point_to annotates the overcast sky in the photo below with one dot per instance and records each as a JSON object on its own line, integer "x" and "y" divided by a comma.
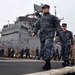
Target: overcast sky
{"x": 11, "y": 9}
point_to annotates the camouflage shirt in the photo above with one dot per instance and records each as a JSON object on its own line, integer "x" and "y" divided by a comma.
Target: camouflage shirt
{"x": 47, "y": 25}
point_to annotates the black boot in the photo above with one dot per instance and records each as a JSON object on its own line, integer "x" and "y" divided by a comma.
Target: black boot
{"x": 47, "y": 65}
{"x": 67, "y": 63}
{"x": 64, "y": 64}
{"x": 72, "y": 62}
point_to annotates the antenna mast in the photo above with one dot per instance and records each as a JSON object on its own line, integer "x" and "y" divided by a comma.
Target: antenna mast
{"x": 55, "y": 10}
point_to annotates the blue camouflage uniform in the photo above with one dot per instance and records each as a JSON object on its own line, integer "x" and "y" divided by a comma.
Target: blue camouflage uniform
{"x": 47, "y": 25}
{"x": 66, "y": 41}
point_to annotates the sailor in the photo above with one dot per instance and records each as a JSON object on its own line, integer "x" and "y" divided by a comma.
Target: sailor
{"x": 66, "y": 38}
{"x": 47, "y": 24}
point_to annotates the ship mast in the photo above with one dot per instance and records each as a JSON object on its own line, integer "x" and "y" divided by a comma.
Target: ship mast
{"x": 55, "y": 12}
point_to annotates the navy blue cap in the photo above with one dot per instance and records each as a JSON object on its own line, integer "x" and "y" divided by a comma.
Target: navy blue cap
{"x": 45, "y": 6}
{"x": 64, "y": 24}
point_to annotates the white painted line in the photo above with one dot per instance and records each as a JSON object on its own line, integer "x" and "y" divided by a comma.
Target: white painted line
{"x": 21, "y": 61}
{"x": 26, "y": 61}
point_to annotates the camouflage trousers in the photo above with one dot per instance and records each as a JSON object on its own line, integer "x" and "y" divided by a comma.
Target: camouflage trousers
{"x": 46, "y": 47}
{"x": 65, "y": 52}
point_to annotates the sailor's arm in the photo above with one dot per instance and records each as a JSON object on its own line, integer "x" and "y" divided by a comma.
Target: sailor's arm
{"x": 72, "y": 39}
{"x": 36, "y": 28}
{"x": 57, "y": 26}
